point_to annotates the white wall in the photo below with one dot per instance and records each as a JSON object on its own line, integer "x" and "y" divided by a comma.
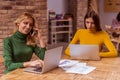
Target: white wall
{"x": 59, "y": 6}
{"x": 105, "y": 17}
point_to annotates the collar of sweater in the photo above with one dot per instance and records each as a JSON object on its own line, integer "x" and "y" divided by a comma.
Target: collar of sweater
{"x": 20, "y": 35}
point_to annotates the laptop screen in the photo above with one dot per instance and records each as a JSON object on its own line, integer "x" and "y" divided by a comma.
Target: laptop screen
{"x": 51, "y": 61}
{"x": 87, "y": 52}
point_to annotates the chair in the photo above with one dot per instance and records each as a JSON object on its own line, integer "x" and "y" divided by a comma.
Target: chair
{"x": 113, "y": 38}
{"x": 117, "y": 41}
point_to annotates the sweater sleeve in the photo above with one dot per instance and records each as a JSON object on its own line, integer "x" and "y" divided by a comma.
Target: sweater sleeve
{"x": 40, "y": 52}
{"x": 8, "y": 56}
{"x": 74, "y": 41}
{"x": 112, "y": 51}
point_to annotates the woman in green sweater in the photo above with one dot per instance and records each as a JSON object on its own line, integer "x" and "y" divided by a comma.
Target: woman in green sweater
{"x": 93, "y": 34}
{"x": 19, "y": 48}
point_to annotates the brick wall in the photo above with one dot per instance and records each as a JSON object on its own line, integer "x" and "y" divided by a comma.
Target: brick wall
{"x": 78, "y": 8}
{"x": 82, "y": 6}
{"x": 11, "y": 9}
{"x": 72, "y": 9}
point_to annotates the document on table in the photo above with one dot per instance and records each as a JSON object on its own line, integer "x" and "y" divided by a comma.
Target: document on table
{"x": 80, "y": 69}
{"x": 73, "y": 66}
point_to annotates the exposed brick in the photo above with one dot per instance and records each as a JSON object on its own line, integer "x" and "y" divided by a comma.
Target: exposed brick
{"x": 3, "y": 11}
{"x": 31, "y": 7}
{"x": 1, "y": 40}
{"x": 1, "y": 47}
{"x": 6, "y": 7}
{"x": 7, "y": 32}
{"x": 11, "y": 9}
{"x": 3, "y": 28}
{"x": 32, "y": 3}
{"x": 19, "y": 7}
{"x": 3, "y": 36}
{"x": 43, "y": 7}
{"x": 1, "y": 52}
{"x": 41, "y": 0}
{"x": 12, "y": 0}
{"x": 22, "y": 3}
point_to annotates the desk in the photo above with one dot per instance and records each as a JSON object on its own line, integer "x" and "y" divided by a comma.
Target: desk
{"x": 106, "y": 69}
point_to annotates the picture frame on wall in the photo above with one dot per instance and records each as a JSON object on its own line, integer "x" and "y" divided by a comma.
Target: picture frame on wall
{"x": 111, "y": 5}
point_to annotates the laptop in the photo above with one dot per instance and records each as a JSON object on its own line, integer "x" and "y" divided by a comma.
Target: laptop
{"x": 86, "y": 52}
{"x": 51, "y": 61}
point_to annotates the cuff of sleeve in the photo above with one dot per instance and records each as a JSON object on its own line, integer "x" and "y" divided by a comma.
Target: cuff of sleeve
{"x": 21, "y": 65}
{"x": 43, "y": 53}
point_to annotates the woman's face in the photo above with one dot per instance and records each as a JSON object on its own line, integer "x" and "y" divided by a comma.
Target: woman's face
{"x": 90, "y": 24}
{"x": 25, "y": 25}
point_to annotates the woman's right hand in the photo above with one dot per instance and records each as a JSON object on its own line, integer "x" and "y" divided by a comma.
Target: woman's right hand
{"x": 36, "y": 63}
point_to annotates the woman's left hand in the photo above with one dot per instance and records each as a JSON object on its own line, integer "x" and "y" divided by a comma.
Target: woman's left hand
{"x": 39, "y": 37}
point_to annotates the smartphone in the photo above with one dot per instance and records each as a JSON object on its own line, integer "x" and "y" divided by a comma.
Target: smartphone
{"x": 32, "y": 32}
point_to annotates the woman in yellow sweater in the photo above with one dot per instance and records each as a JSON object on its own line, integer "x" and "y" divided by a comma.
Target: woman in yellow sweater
{"x": 93, "y": 34}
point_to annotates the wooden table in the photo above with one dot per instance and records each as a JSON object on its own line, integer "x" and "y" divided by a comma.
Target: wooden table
{"x": 106, "y": 69}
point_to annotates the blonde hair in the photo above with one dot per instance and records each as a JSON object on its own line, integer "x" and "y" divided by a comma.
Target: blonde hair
{"x": 30, "y": 39}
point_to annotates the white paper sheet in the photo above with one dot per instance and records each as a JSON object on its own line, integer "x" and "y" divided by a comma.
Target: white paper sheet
{"x": 80, "y": 69}
{"x": 73, "y": 66}
{"x": 67, "y": 63}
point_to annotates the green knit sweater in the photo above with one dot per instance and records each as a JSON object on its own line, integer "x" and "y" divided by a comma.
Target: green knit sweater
{"x": 16, "y": 51}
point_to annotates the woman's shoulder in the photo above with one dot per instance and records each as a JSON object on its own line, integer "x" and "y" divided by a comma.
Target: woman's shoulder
{"x": 103, "y": 33}
{"x": 81, "y": 30}
{"x": 8, "y": 39}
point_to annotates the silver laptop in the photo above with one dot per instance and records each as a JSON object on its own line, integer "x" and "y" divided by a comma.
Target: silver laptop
{"x": 51, "y": 61}
{"x": 86, "y": 52}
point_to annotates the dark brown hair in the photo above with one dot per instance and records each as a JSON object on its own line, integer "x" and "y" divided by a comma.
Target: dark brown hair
{"x": 92, "y": 14}
{"x": 118, "y": 17}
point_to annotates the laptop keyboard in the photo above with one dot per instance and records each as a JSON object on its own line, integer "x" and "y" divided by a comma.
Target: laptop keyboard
{"x": 38, "y": 69}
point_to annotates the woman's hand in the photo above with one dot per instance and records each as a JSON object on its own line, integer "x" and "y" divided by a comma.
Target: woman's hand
{"x": 36, "y": 63}
{"x": 39, "y": 37}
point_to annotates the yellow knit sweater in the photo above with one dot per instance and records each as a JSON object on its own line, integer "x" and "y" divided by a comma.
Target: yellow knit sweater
{"x": 84, "y": 36}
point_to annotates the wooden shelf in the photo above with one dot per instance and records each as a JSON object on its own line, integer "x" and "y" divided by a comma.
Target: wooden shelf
{"x": 60, "y": 30}
{"x": 61, "y": 26}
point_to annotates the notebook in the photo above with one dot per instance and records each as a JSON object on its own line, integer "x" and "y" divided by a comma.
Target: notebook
{"x": 51, "y": 61}
{"x": 86, "y": 52}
